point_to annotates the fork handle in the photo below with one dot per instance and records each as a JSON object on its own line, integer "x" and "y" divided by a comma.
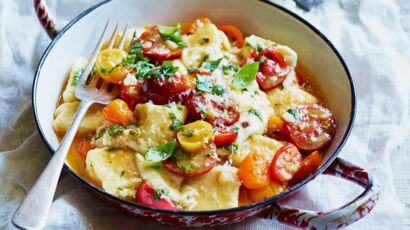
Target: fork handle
{"x": 33, "y": 212}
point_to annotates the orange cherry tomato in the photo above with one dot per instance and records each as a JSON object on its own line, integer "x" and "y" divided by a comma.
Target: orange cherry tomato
{"x": 118, "y": 112}
{"x": 275, "y": 127}
{"x": 254, "y": 171}
{"x": 309, "y": 165}
{"x": 190, "y": 28}
{"x": 273, "y": 189}
{"x": 233, "y": 33}
{"x": 286, "y": 162}
{"x": 83, "y": 147}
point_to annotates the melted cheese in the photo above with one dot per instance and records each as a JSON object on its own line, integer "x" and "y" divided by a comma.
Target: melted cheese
{"x": 116, "y": 171}
{"x": 218, "y": 189}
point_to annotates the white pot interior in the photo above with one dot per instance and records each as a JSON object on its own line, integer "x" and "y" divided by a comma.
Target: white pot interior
{"x": 252, "y": 17}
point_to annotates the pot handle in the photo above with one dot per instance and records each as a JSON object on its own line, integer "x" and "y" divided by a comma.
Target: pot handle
{"x": 337, "y": 218}
{"x": 46, "y": 20}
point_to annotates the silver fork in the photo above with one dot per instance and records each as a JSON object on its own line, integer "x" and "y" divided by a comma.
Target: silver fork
{"x": 33, "y": 212}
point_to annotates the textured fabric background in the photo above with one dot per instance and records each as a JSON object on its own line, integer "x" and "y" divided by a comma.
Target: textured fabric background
{"x": 370, "y": 36}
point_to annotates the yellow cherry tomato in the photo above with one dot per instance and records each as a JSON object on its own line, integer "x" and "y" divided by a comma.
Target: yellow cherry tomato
{"x": 195, "y": 135}
{"x": 107, "y": 65}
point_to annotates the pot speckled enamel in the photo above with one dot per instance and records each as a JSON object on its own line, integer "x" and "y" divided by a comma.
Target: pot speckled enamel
{"x": 273, "y": 21}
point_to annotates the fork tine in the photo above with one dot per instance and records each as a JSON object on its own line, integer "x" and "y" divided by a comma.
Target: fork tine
{"x": 112, "y": 39}
{"x": 88, "y": 69}
{"x": 121, "y": 43}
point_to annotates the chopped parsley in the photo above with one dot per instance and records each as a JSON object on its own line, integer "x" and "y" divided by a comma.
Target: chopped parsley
{"x": 188, "y": 133}
{"x": 218, "y": 90}
{"x": 115, "y": 130}
{"x": 176, "y": 123}
{"x": 256, "y": 113}
{"x": 159, "y": 193}
{"x": 206, "y": 40}
{"x": 295, "y": 114}
{"x": 230, "y": 67}
{"x": 87, "y": 138}
{"x": 113, "y": 149}
{"x": 145, "y": 69}
{"x": 204, "y": 83}
{"x": 259, "y": 48}
{"x": 172, "y": 34}
{"x": 262, "y": 59}
{"x": 133, "y": 132}
{"x": 212, "y": 65}
{"x": 100, "y": 133}
{"x": 231, "y": 147}
{"x": 136, "y": 49}
{"x": 77, "y": 77}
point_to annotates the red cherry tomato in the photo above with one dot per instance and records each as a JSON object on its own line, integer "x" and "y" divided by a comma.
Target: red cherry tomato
{"x": 83, "y": 147}
{"x": 225, "y": 137}
{"x": 273, "y": 70}
{"x": 309, "y": 165}
{"x": 190, "y": 165}
{"x": 145, "y": 196}
{"x": 286, "y": 162}
{"x": 161, "y": 91}
{"x": 233, "y": 33}
{"x": 314, "y": 128}
{"x": 132, "y": 94}
{"x": 154, "y": 47}
{"x": 225, "y": 111}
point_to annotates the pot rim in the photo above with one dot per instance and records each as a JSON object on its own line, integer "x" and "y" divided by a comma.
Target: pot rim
{"x": 263, "y": 203}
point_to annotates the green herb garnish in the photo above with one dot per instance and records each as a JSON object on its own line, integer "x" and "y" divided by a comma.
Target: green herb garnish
{"x": 77, "y": 77}
{"x": 188, "y": 133}
{"x": 156, "y": 155}
{"x": 159, "y": 193}
{"x": 176, "y": 123}
{"x": 113, "y": 149}
{"x": 231, "y": 147}
{"x": 172, "y": 34}
{"x": 295, "y": 114}
{"x": 245, "y": 75}
{"x": 115, "y": 130}
{"x": 212, "y": 65}
{"x": 204, "y": 83}
{"x": 256, "y": 113}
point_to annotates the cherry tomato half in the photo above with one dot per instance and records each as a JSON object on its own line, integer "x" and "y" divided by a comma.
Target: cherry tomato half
{"x": 190, "y": 165}
{"x": 273, "y": 69}
{"x": 313, "y": 128}
{"x": 233, "y": 33}
{"x": 154, "y": 47}
{"x": 219, "y": 111}
{"x": 254, "y": 171}
{"x": 309, "y": 165}
{"x": 286, "y": 162}
{"x": 83, "y": 147}
{"x": 132, "y": 93}
{"x": 225, "y": 137}
{"x": 145, "y": 196}
{"x": 275, "y": 128}
{"x": 161, "y": 90}
{"x": 118, "y": 112}
{"x": 272, "y": 189}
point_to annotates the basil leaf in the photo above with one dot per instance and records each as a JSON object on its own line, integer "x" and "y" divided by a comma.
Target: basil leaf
{"x": 245, "y": 75}
{"x": 204, "y": 83}
{"x": 155, "y": 155}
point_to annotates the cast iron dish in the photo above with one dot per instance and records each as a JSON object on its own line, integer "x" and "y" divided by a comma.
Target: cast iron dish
{"x": 258, "y": 17}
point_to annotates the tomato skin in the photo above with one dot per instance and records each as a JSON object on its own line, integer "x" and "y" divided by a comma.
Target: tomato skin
{"x": 286, "y": 162}
{"x": 195, "y": 101}
{"x": 233, "y": 34}
{"x": 273, "y": 70}
{"x": 132, "y": 94}
{"x": 145, "y": 196}
{"x": 225, "y": 137}
{"x": 118, "y": 112}
{"x": 207, "y": 164}
{"x": 83, "y": 147}
{"x": 309, "y": 165}
{"x": 154, "y": 47}
{"x": 254, "y": 171}
{"x": 161, "y": 91}
{"x": 315, "y": 129}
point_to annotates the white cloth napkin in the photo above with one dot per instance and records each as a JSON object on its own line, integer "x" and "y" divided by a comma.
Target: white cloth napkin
{"x": 370, "y": 37}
